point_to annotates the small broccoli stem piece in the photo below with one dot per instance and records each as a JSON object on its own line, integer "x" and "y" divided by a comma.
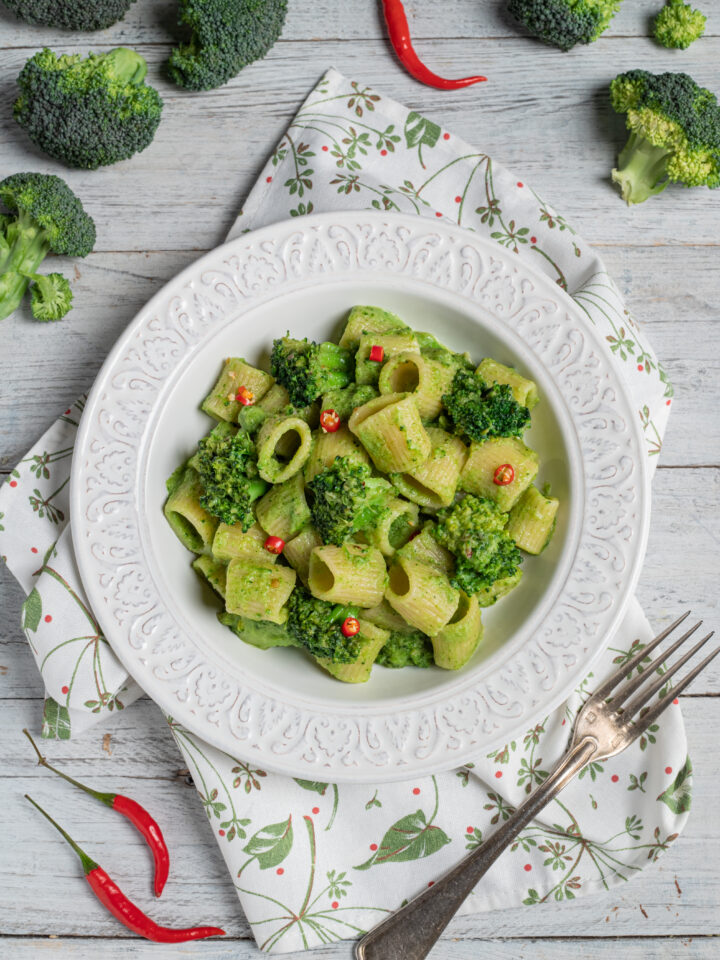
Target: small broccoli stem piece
{"x": 25, "y": 249}
{"x": 334, "y": 361}
{"x": 51, "y": 296}
{"x": 642, "y": 169}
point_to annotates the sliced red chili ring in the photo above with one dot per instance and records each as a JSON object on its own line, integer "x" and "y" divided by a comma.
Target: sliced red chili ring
{"x": 377, "y": 353}
{"x": 245, "y": 396}
{"x": 504, "y": 475}
{"x": 330, "y": 421}
{"x": 350, "y": 626}
{"x": 274, "y": 545}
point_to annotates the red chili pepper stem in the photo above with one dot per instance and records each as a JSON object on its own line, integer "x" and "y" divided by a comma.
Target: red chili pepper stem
{"x": 133, "y": 811}
{"x": 399, "y": 33}
{"x": 88, "y": 863}
{"x": 106, "y": 798}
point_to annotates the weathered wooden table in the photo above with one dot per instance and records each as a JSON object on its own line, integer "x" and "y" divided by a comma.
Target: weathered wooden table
{"x": 545, "y": 115}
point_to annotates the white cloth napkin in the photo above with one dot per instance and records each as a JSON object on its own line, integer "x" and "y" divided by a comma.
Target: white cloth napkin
{"x": 315, "y": 862}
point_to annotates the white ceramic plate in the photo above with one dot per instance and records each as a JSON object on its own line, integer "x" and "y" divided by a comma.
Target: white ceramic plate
{"x": 276, "y": 707}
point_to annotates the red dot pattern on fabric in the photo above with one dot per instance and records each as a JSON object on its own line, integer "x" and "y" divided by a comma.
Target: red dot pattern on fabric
{"x": 33, "y": 549}
{"x": 520, "y": 184}
{"x": 668, "y": 769}
{"x": 383, "y": 153}
{"x": 316, "y": 809}
{"x": 533, "y": 239}
{"x": 13, "y": 483}
{"x": 527, "y": 867}
{"x": 67, "y": 412}
{"x": 458, "y": 199}
{"x": 667, "y": 403}
{"x": 676, "y": 701}
{"x": 469, "y": 829}
{"x": 268, "y": 180}
{"x": 48, "y": 618}
{"x": 641, "y": 367}
{"x": 614, "y": 778}
{"x": 498, "y": 774}
{"x": 431, "y": 883}
{"x": 416, "y": 790}
{"x": 437, "y": 213}
{"x": 221, "y": 832}
{"x": 335, "y": 904}
{"x": 446, "y": 136}
{"x": 280, "y": 871}
{"x": 373, "y": 846}
{"x": 325, "y": 148}
{"x": 66, "y": 689}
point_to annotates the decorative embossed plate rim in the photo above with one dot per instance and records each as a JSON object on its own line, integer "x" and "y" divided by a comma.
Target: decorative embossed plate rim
{"x": 412, "y": 735}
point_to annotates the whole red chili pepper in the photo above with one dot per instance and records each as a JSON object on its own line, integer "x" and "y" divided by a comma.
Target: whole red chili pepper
{"x": 399, "y": 33}
{"x": 124, "y": 910}
{"x": 137, "y": 815}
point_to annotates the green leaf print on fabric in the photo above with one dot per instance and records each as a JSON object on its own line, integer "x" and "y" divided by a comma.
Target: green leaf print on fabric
{"x": 410, "y": 838}
{"x": 32, "y": 611}
{"x": 270, "y": 845}
{"x": 56, "y": 721}
{"x": 420, "y": 132}
{"x": 316, "y": 786}
{"x": 678, "y": 795}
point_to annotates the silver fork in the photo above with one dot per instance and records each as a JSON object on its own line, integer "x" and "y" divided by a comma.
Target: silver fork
{"x": 606, "y": 724}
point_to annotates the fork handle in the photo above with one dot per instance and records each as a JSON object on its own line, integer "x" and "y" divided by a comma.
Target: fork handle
{"x": 409, "y": 933}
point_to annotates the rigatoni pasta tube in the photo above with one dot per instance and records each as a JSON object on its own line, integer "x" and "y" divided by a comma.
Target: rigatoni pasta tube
{"x": 326, "y": 447}
{"x": 456, "y": 642}
{"x": 283, "y": 511}
{"x": 192, "y": 523}
{"x": 425, "y": 548}
{"x": 220, "y": 403}
{"x": 258, "y": 591}
{"x": 390, "y": 429}
{"x": 232, "y": 541}
{"x": 297, "y": 551}
{"x": 367, "y": 370}
{"x": 394, "y": 526}
{"x": 427, "y": 380}
{"x": 368, "y": 320}
{"x": 478, "y": 474}
{"x": 371, "y": 640}
{"x": 283, "y": 446}
{"x": 213, "y": 571}
{"x": 523, "y": 390}
{"x": 353, "y": 573}
{"x": 422, "y": 595}
{"x": 532, "y": 520}
{"x": 433, "y": 482}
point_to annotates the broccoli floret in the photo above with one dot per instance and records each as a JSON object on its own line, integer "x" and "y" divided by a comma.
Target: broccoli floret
{"x": 406, "y": 649}
{"x": 678, "y": 25}
{"x": 473, "y": 530}
{"x": 316, "y": 625}
{"x": 74, "y": 15}
{"x": 307, "y": 369}
{"x": 88, "y": 112}
{"x": 674, "y": 133}
{"x": 346, "y": 499}
{"x": 227, "y": 465}
{"x": 345, "y": 400}
{"x": 563, "y": 23}
{"x": 225, "y": 36}
{"x": 45, "y": 216}
{"x": 479, "y": 411}
{"x": 50, "y": 296}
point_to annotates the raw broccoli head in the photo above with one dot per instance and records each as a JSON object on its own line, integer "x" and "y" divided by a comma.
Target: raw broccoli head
{"x": 70, "y": 14}
{"x": 678, "y": 25}
{"x": 406, "y": 649}
{"x": 45, "y": 215}
{"x": 346, "y": 499}
{"x": 674, "y": 133}
{"x": 307, "y": 369}
{"x": 316, "y": 625}
{"x": 50, "y": 296}
{"x": 479, "y": 411}
{"x": 225, "y": 36}
{"x": 227, "y": 465}
{"x": 473, "y": 530}
{"x": 563, "y": 23}
{"x": 88, "y": 112}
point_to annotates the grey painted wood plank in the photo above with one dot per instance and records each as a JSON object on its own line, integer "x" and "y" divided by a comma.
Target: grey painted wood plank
{"x": 46, "y": 366}
{"x": 154, "y": 21}
{"x": 543, "y": 115}
{"x": 646, "y": 948}
{"x": 38, "y": 864}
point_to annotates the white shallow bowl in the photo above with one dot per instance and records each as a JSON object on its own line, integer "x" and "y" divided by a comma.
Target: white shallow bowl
{"x": 277, "y": 707}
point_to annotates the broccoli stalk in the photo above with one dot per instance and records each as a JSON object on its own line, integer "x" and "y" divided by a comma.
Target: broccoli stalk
{"x": 346, "y": 499}
{"x": 307, "y": 369}
{"x": 227, "y": 464}
{"x": 678, "y": 25}
{"x": 46, "y": 216}
{"x": 88, "y": 112}
{"x": 316, "y": 625}
{"x": 674, "y": 129}
{"x": 74, "y": 15}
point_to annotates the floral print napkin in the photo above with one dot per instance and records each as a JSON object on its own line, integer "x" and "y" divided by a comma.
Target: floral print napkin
{"x": 312, "y": 861}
